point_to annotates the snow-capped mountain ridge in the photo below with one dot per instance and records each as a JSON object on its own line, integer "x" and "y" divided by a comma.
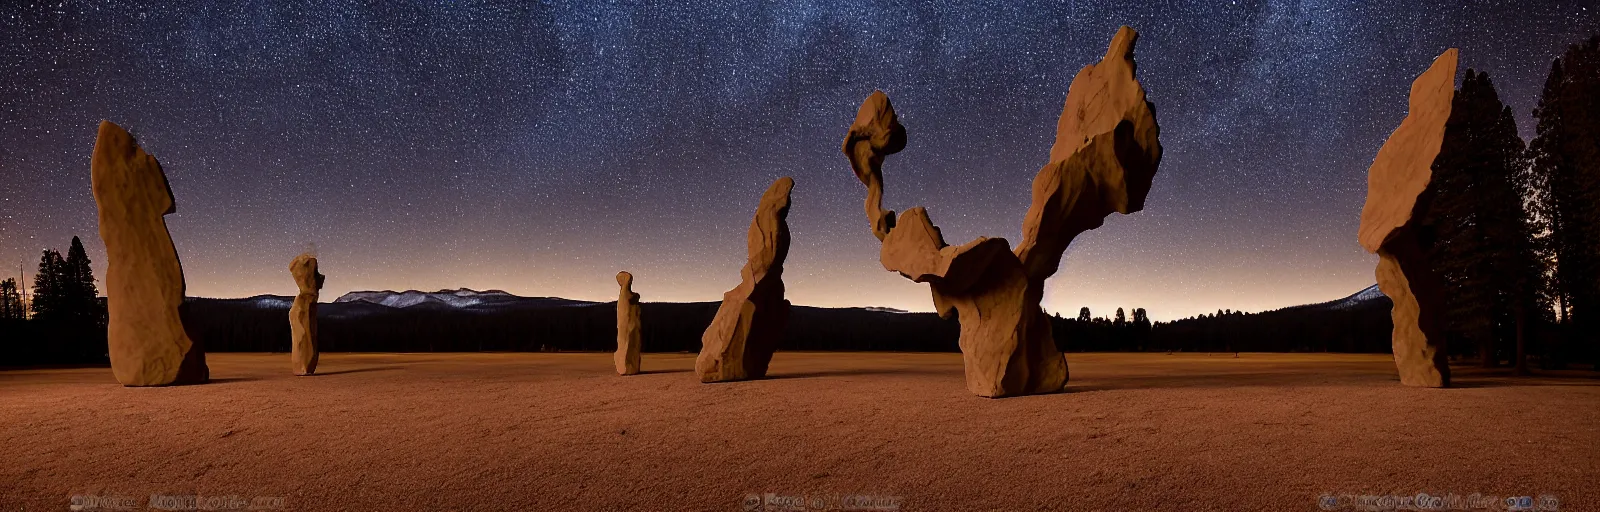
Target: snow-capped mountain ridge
{"x": 458, "y": 298}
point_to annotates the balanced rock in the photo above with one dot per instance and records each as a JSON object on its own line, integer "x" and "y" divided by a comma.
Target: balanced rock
{"x": 749, "y": 324}
{"x": 1105, "y": 156}
{"x": 303, "y": 315}
{"x": 1399, "y": 188}
{"x": 628, "y": 332}
{"x": 144, "y": 280}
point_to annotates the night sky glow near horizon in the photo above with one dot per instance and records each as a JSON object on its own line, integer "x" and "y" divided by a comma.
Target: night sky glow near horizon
{"x": 540, "y": 148}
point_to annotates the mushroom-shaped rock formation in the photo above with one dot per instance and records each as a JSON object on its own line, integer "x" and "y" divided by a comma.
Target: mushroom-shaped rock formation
{"x": 742, "y": 337}
{"x": 144, "y": 280}
{"x": 627, "y": 357}
{"x": 303, "y": 314}
{"x": 1399, "y": 188}
{"x": 1105, "y": 155}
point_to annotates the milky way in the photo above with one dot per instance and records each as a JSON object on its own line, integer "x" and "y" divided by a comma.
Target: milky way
{"x": 540, "y": 148}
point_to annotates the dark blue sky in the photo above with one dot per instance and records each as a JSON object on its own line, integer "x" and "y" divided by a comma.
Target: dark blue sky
{"x": 540, "y": 148}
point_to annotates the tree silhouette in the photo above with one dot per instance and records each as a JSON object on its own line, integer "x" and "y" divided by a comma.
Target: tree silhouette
{"x": 78, "y": 292}
{"x": 1122, "y": 319}
{"x": 47, "y": 287}
{"x": 1565, "y": 173}
{"x": 10, "y": 301}
{"x": 1485, "y": 249}
{"x": 1083, "y": 314}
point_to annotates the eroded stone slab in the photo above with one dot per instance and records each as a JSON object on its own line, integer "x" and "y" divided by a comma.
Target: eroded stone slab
{"x": 741, "y": 339}
{"x": 1104, "y": 159}
{"x": 144, "y": 280}
{"x": 1399, "y": 187}
{"x": 628, "y": 329}
{"x": 303, "y": 315}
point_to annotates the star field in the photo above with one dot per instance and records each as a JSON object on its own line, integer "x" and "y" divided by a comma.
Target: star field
{"x": 540, "y": 148}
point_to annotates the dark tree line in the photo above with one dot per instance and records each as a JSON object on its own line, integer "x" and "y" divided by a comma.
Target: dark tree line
{"x": 1485, "y": 247}
{"x": 1361, "y": 327}
{"x": 1086, "y": 333}
{"x": 256, "y": 325}
{"x": 1516, "y": 232}
{"x": 65, "y": 322}
{"x": 1564, "y": 179}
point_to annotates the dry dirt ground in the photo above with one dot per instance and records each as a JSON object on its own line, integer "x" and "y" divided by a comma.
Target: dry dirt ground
{"x": 563, "y": 432}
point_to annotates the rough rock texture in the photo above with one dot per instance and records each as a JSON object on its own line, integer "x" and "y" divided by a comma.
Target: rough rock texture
{"x": 1399, "y": 185}
{"x": 627, "y": 357}
{"x": 144, "y": 279}
{"x": 303, "y": 315}
{"x": 1104, "y": 158}
{"x": 742, "y": 337}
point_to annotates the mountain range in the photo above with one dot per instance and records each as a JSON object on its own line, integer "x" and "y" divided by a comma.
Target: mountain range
{"x": 494, "y": 320}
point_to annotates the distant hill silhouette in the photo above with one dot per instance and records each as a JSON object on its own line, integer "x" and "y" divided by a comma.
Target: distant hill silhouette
{"x": 1357, "y": 323}
{"x": 468, "y": 320}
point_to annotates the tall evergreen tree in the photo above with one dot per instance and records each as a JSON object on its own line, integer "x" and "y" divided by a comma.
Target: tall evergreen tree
{"x": 10, "y": 301}
{"x": 1083, "y": 314}
{"x": 79, "y": 294}
{"x": 1485, "y": 249}
{"x": 1565, "y": 171}
{"x": 47, "y": 287}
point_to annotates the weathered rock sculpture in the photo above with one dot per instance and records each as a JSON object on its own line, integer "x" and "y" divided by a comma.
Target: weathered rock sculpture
{"x": 1105, "y": 155}
{"x": 628, "y": 333}
{"x": 1399, "y": 189}
{"x": 303, "y": 315}
{"x": 144, "y": 279}
{"x": 742, "y": 337}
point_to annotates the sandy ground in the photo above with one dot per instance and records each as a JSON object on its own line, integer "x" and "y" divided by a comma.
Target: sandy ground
{"x": 562, "y": 432}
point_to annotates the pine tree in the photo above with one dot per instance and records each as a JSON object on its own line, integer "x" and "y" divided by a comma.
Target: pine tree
{"x": 1565, "y": 171}
{"x": 1083, "y": 314}
{"x": 78, "y": 290}
{"x": 1485, "y": 247}
{"x": 47, "y": 287}
{"x": 10, "y": 300}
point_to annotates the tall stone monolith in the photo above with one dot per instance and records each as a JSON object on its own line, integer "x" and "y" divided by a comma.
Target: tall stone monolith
{"x": 1399, "y": 189}
{"x": 144, "y": 279}
{"x": 628, "y": 330}
{"x": 303, "y": 315}
{"x": 750, "y": 322}
{"x": 1104, "y": 158}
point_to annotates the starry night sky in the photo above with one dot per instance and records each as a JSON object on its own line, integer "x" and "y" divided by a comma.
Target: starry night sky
{"x": 540, "y": 148}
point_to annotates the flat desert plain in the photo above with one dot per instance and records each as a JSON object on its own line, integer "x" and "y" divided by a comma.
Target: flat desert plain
{"x": 488, "y": 431}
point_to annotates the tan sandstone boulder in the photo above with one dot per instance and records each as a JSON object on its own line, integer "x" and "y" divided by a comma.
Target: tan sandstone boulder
{"x": 628, "y": 333}
{"x": 303, "y": 315}
{"x": 1105, "y": 156}
{"x": 750, "y": 322}
{"x": 144, "y": 280}
{"x": 1399, "y": 185}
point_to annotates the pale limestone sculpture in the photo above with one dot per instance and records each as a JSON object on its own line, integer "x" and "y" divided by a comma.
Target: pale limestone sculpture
{"x": 144, "y": 279}
{"x": 303, "y": 315}
{"x": 1105, "y": 155}
{"x": 628, "y": 332}
{"x": 749, "y": 324}
{"x": 1399, "y": 187}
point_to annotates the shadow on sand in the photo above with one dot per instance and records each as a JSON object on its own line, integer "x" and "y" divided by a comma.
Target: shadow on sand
{"x": 1468, "y": 379}
{"x": 1530, "y": 381}
{"x": 653, "y": 372}
{"x": 226, "y": 380}
{"x": 856, "y": 373}
{"x": 354, "y": 370}
{"x": 1220, "y": 380}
